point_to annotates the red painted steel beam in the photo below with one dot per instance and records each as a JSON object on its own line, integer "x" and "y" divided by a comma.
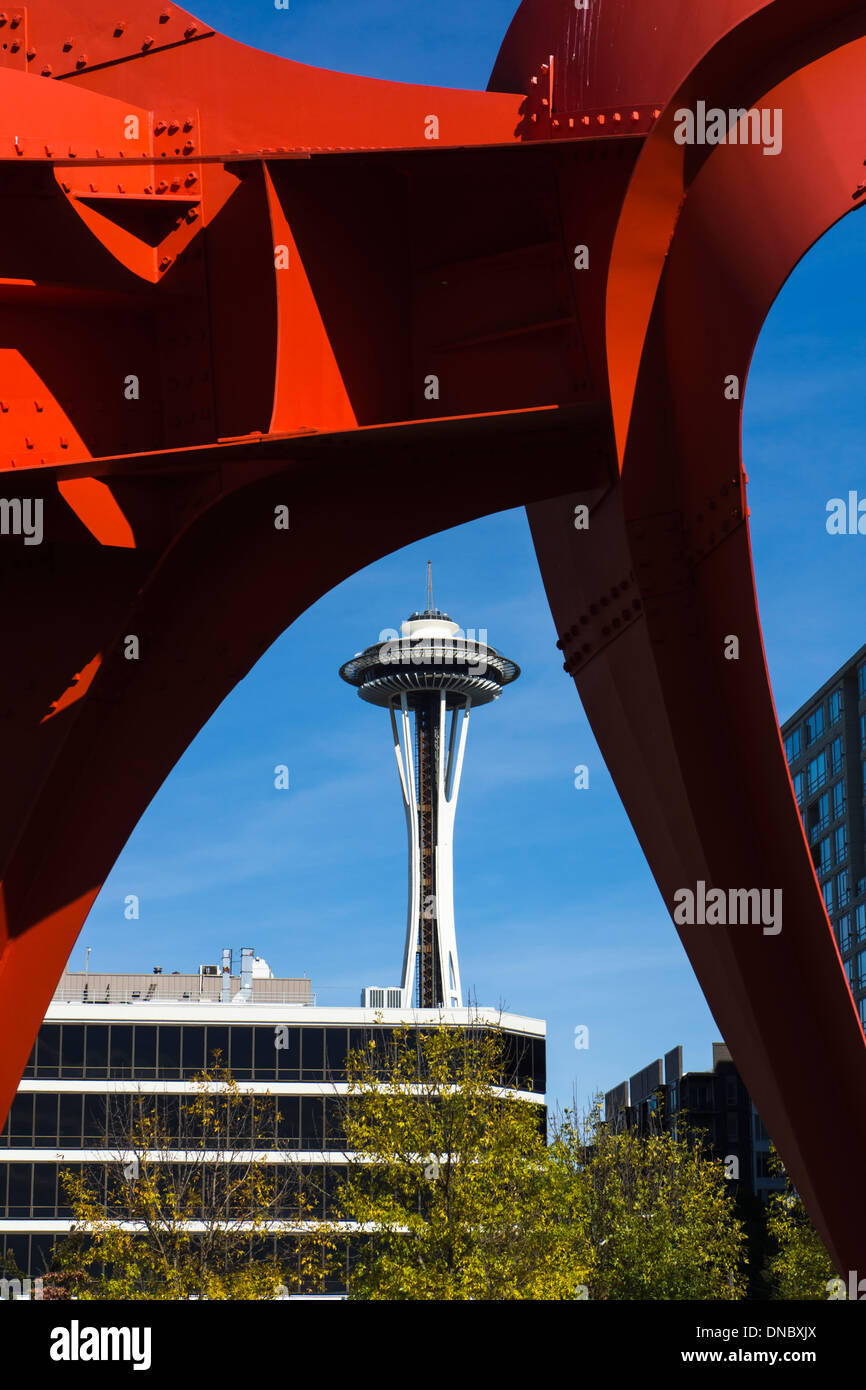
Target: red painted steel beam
{"x": 232, "y": 282}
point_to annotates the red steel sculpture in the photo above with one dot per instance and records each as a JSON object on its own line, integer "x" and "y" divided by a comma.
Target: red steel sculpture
{"x": 245, "y": 301}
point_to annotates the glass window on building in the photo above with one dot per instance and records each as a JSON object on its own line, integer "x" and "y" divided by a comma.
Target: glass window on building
{"x": 800, "y": 784}
{"x": 312, "y": 1053}
{"x": 863, "y": 730}
{"x": 45, "y": 1120}
{"x": 96, "y": 1051}
{"x": 843, "y": 932}
{"x": 193, "y": 1049}
{"x": 821, "y": 855}
{"x": 819, "y": 816}
{"x": 816, "y": 773}
{"x": 288, "y": 1054}
{"x": 827, "y": 892}
{"x": 793, "y": 746}
{"x": 241, "y": 1042}
{"x": 839, "y": 799}
{"x": 860, "y": 922}
{"x": 862, "y": 1007}
{"x": 860, "y": 971}
{"x": 145, "y": 1051}
{"x": 843, "y": 890}
{"x": 837, "y": 755}
{"x": 72, "y": 1051}
{"x": 48, "y": 1050}
{"x": 836, "y": 706}
{"x": 815, "y": 724}
{"x": 69, "y": 1123}
{"x": 265, "y": 1054}
{"x": 840, "y": 843}
{"x": 861, "y": 676}
{"x": 21, "y": 1121}
{"x": 120, "y": 1052}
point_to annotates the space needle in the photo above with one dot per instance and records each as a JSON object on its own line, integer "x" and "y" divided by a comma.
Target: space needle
{"x": 428, "y": 678}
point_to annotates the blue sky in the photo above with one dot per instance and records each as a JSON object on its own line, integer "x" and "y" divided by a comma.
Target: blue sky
{"x": 557, "y": 914}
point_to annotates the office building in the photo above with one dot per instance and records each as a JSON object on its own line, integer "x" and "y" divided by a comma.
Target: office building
{"x": 715, "y": 1101}
{"x": 825, "y": 745}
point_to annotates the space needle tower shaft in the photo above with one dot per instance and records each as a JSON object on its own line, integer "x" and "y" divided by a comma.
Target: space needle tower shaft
{"x": 428, "y": 678}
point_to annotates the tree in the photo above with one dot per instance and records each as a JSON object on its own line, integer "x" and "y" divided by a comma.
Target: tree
{"x": 799, "y": 1267}
{"x": 189, "y": 1209}
{"x": 449, "y": 1176}
{"x": 656, "y": 1209}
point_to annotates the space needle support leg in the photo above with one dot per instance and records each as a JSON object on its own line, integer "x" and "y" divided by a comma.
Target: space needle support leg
{"x": 448, "y": 787}
{"x": 406, "y": 772}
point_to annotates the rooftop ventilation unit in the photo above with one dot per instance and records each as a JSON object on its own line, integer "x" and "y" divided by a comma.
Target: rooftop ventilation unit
{"x": 376, "y": 997}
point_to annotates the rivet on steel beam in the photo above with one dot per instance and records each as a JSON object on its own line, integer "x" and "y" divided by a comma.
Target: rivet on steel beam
{"x": 556, "y": 122}
{"x": 47, "y": 70}
{"x": 119, "y": 28}
{"x": 82, "y": 61}
{"x": 635, "y": 115}
{"x": 571, "y": 123}
{"x": 192, "y": 215}
{"x": 149, "y": 188}
{"x": 188, "y": 147}
{"x": 161, "y": 186}
{"x": 859, "y": 191}
{"x": 148, "y": 42}
{"x": 175, "y": 185}
{"x": 165, "y": 263}
{"x": 545, "y": 67}
{"x": 164, "y": 16}
{"x": 67, "y": 44}
{"x": 173, "y": 126}
{"x": 159, "y": 127}
{"x": 584, "y": 120}
{"x": 190, "y": 180}
{"x": 188, "y": 124}
{"x": 190, "y": 30}
{"x": 533, "y": 117}
{"x": 3, "y": 17}
{"x": 65, "y": 187}
{"x": 14, "y": 47}
{"x": 31, "y": 54}
{"x": 617, "y": 116}
{"x": 544, "y": 101}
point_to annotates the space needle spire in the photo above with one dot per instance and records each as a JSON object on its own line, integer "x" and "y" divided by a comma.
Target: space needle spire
{"x": 428, "y": 677}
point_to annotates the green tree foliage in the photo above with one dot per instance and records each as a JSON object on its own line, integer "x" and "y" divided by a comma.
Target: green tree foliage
{"x": 169, "y": 1229}
{"x": 799, "y": 1266}
{"x": 656, "y": 1209}
{"x": 451, "y": 1176}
